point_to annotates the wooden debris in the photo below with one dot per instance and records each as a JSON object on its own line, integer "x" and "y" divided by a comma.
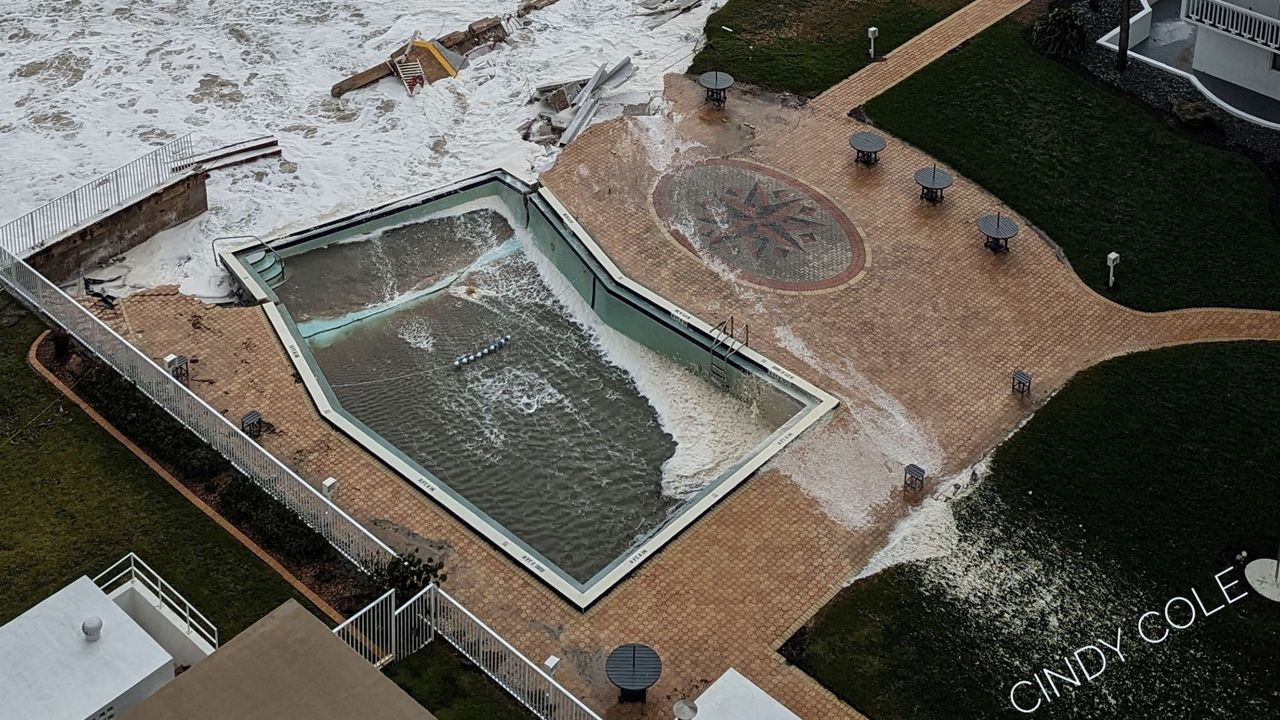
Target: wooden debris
{"x": 362, "y": 78}
{"x": 233, "y": 154}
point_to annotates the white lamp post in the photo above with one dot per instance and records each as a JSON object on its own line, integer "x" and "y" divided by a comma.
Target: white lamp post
{"x": 872, "y": 34}
{"x": 1113, "y": 259}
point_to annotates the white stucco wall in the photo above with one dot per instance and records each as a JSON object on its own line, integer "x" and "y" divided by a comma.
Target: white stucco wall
{"x": 49, "y": 669}
{"x": 1140, "y": 25}
{"x": 162, "y": 625}
{"x": 1235, "y": 61}
{"x": 136, "y": 694}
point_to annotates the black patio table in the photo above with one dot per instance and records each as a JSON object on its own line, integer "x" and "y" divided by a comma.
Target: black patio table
{"x": 633, "y": 668}
{"x": 716, "y": 84}
{"x": 868, "y": 146}
{"x": 932, "y": 182}
{"x": 999, "y": 231}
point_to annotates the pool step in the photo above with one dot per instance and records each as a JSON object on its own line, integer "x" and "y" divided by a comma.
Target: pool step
{"x": 273, "y": 276}
{"x": 268, "y": 266}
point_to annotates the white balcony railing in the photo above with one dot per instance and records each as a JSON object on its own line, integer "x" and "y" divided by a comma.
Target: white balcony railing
{"x": 130, "y": 570}
{"x": 1247, "y": 25}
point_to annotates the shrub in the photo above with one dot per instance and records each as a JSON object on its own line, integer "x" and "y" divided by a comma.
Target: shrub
{"x": 1062, "y": 32}
{"x": 1194, "y": 114}
{"x": 274, "y": 526}
{"x": 148, "y": 425}
{"x": 407, "y": 574}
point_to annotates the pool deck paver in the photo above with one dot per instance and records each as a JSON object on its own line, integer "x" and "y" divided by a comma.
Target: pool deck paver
{"x": 926, "y": 337}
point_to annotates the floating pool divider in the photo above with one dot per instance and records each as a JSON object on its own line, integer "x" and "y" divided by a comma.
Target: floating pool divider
{"x": 495, "y": 346}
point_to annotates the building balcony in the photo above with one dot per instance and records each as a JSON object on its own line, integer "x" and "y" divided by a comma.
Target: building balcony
{"x": 1183, "y": 38}
{"x": 96, "y": 648}
{"x": 173, "y": 622}
{"x": 1233, "y": 20}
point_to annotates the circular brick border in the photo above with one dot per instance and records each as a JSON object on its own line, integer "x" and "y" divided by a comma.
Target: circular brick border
{"x": 857, "y": 244}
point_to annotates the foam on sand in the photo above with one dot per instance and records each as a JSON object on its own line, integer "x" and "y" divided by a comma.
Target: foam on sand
{"x": 98, "y": 83}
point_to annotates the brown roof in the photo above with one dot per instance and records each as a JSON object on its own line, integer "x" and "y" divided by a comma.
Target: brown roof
{"x": 286, "y": 666}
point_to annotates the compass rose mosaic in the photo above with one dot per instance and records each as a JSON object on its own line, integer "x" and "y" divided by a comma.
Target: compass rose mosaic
{"x": 772, "y": 230}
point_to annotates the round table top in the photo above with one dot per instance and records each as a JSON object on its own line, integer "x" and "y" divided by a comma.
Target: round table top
{"x": 933, "y": 178}
{"x": 997, "y": 226}
{"x": 716, "y": 80}
{"x": 1262, "y": 574}
{"x": 633, "y": 666}
{"x": 866, "y": 142}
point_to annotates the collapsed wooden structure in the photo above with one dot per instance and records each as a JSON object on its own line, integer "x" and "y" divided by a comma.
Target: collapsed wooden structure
{"x": 421, "y": 62}
{"x": 417, "y": 63}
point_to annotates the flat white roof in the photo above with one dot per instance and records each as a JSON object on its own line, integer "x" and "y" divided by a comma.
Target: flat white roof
{"x": 48, "y": 669}
{"x": 734, "y": 697}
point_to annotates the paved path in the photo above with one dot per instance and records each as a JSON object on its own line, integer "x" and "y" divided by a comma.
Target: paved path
{"x": 913, "y": 55}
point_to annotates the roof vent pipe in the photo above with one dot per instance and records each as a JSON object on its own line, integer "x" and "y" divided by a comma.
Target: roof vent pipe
{"x": 92, "y": 628}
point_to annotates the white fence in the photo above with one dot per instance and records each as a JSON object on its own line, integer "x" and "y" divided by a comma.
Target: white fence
{"x": 1232, "y": 19}
{"x": 345, "y": 534}
{"x": 383, "y": 633}
{"x": 29, "y": 232}
{"x": 131, "y": 569}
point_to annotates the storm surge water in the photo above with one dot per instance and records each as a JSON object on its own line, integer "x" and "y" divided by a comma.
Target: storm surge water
{"x": 96, "y": 83}
{"x": 574, "y": 437}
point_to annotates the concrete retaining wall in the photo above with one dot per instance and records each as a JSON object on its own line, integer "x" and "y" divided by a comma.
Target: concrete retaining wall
{"x": 120, "y": 230}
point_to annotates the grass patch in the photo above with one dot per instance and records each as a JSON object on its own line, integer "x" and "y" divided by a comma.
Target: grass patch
{"x": 806, "y": 46}
{"x": 76, "y": 501}
{"x": 1141, "y": 480}
{"x": 269, "y": 523}
{"x": 1097, "y": 173}
{"x": 437, "y": 678}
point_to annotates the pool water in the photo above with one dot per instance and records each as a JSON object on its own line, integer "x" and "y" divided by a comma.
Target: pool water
{"x": 576, "y": 439}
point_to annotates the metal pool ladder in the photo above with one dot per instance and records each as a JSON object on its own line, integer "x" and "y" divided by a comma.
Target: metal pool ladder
{"x": 726, "y": 345}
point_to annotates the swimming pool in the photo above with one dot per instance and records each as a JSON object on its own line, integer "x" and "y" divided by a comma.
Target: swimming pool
{"x": 477, "y": 341}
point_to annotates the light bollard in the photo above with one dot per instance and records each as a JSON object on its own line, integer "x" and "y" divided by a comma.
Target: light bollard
{"x": 1113, "y": 259}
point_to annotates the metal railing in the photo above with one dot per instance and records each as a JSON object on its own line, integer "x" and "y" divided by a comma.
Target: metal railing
{"x": 414, "y": 622}
{"x": 346, "y": 535}
{"x": 372, "y": 631}
{"x": 23, "y": 235}
{"x": 1234, "y": 20}
{"x": 130, "y": 569}
{"x": 383, "y": 633}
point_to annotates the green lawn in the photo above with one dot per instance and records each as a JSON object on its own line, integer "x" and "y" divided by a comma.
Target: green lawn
{"x": 1137, "y": 483}
{"x": 1097, "y": 173}
{"x": 806, "y": 46}
{"x": 436, "y": 677}
{"x": 74, "y": 501}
